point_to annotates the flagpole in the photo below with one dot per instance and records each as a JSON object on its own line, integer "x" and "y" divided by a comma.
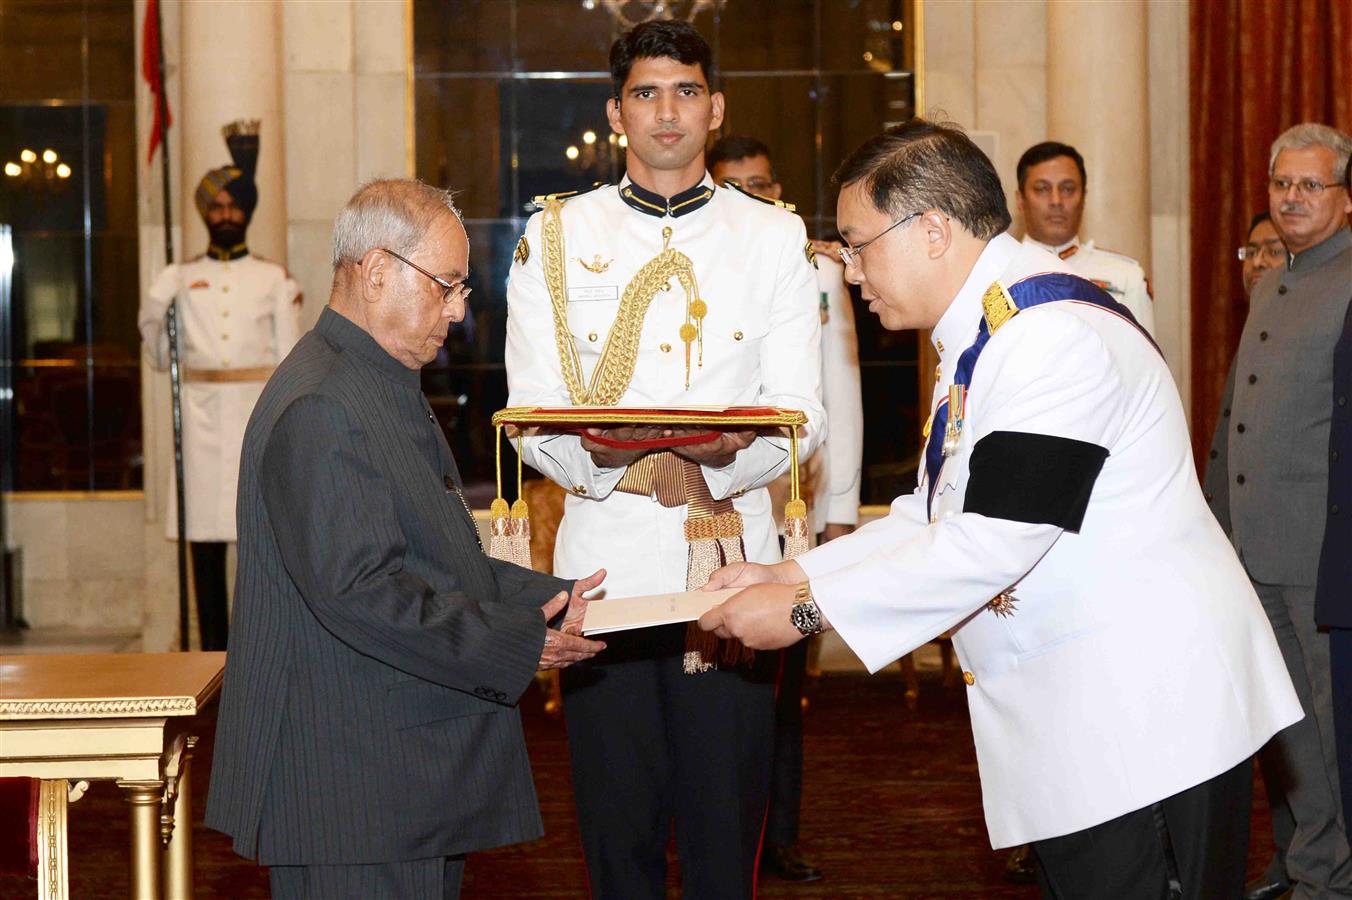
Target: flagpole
{"x": 175, "y": 379}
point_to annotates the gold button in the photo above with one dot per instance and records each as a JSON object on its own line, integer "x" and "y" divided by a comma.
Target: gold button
{"x": 666, "y": 348}
{"x": 225, "y": 313}
{"x": 225, "y": 363}
{"x": 225, "y": 337}
{"x": 225, "y": 289}
{"x": 934, "y": 518}
{"x": 736, "y": 335}
{"x": 592, "y": 337}
{"x": 940, "y": 345}
{"x": 969, "y": 678}
{"x": 737, "y": 493}
{"x": 580, "y": 489}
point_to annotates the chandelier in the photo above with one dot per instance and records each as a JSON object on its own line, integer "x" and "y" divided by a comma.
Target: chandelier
{"x": 41, "y": 173}
{"x": 629, "y": 13}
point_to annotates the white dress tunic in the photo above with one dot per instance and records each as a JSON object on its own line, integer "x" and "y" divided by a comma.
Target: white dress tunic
{"x": 761, "y": 347}
{"x": 241, "y": 314}
{"x": 1137, "y": 662}
{"x": 1118, "y": 274}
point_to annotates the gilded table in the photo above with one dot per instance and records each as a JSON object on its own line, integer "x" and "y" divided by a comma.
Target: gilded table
{"x": 125, "y": 717}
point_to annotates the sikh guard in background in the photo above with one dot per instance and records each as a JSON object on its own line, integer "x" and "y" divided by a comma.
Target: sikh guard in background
{"x": 666, "y": 291}
{"x": 239, "y": 315}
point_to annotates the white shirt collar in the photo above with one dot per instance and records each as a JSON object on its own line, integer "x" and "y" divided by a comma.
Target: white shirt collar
{"x": 959, "y": 322}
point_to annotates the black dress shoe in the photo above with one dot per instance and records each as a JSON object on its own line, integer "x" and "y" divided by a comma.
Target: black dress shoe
{"x": 1266, "y": 889}
{"x": 1019, "y": 868}
{"x": 789, "y": 864}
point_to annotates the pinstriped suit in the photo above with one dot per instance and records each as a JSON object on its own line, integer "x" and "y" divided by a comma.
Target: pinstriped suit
{"x": 376, "y": 655}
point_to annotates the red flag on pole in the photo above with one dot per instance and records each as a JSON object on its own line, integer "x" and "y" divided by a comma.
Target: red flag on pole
{"x": 150, "y": 71}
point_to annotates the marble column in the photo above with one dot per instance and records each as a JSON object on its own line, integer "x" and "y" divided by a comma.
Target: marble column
{"x": 1098, "y": 101}
{"x": 232, "y": 69}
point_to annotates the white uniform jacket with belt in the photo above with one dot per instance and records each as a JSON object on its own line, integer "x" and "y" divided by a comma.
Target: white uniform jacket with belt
{"x": 761, "y": 347}
{"x": 1118, "y": 274}
{"x": 1135, "y": 661}
{"x": 240, "y": 314}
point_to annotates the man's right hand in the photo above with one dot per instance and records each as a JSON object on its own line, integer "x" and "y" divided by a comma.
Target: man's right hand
{"x": 604, "y": 457}
{"x": 561, "y": 649}
{"x": 745, "y": 574}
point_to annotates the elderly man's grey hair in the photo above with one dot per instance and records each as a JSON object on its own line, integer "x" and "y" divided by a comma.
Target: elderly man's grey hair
{"x": 1312, "y": 134}
{"x": 387, "y": 214}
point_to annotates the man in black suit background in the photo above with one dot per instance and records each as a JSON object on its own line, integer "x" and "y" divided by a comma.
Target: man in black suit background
{"x": 368, "y": 734}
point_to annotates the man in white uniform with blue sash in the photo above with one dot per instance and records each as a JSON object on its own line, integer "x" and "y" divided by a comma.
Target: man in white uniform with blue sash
{"x": 1120, "y": 670}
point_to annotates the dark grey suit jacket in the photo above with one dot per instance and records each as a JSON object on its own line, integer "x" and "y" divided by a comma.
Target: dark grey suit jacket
{"x": 376, "y": 654}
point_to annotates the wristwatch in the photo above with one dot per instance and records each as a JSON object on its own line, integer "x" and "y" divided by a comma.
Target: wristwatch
{"x": 805, "y": 615}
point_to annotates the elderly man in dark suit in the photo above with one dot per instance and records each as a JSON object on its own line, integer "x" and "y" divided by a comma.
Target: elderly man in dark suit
{"x": 368, "y": 734}
{"x": 1269, "y": 474}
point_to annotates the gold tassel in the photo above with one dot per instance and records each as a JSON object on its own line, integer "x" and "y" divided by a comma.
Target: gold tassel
{"x": 509, "y": 528}
{"x": 715, "y": 541}
{"x": 795, "y": 510}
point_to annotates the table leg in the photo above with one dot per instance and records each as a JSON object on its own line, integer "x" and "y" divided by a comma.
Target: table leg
{"x": 144, "y": 799}
{"x": 178, "y": 857}
{"x": 52, "y": 865}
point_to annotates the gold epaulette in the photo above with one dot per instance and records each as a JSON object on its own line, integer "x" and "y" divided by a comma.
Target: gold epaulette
{"x": 732, "y": 183}
{"x": 997, "y": 306}
{"x": 541, "y": 199}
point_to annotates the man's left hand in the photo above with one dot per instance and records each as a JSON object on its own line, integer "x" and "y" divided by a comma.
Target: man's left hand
{"x": 757, "y": 616}
{"x": 577, "y": 604}
{"x": 715, "y": 454}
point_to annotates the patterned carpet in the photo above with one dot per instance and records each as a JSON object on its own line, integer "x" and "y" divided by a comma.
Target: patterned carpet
{"x": 891, "y": 808}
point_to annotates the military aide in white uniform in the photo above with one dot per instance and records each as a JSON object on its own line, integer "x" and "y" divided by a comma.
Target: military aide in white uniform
{"x": 1051, "y": 180}
{"x": 238, "y": 317}
{"x": 1115, "y": 654}
{"x": 650, "y": 741}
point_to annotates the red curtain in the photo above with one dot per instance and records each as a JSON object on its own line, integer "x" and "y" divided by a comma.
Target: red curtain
{"x": 1257, "y": 67}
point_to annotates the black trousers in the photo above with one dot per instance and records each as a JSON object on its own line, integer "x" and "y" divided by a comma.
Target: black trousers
{"x": 419, "y": 879}
{"x": 1340, "y": 668}
{"x": 208, "y": 578}
{"x": 651, "y": 744}
{"x": 786, "y": 778}
{"x": 1200, "y": 836}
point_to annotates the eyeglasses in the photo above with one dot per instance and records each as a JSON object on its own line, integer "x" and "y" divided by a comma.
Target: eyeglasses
{"x": 449, "y": 291}
{"x": 850, "y": 255}
{"x": 1274, "y": 250}
{"x": 1306, "y": 187}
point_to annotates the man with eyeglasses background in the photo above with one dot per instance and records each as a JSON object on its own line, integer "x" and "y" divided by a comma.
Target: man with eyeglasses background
{"x": 238, "y": 316}
{"x": 1264, "y": 250}
{"x": 1120, "y": 672}
{"x": 1269, "y": 478}
{"x": 368, "y": 733}
{"x": 832, "y": 475}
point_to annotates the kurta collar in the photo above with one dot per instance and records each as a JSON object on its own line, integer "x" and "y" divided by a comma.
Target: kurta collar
{"x": 227, "y": 254}
{"x": 956, "y": 328}
{"x": 1064, "y": 251}
{"x": 351, "y": 337}
{"x": 1320, "y": 253}
{"x": 637, "y": 197}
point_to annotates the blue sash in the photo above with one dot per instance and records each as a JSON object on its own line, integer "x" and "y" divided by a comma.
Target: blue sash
{"x": 1032, "y": 291}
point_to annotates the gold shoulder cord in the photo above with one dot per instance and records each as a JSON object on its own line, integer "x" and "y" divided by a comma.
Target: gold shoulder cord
{"x": 615, "y": 369}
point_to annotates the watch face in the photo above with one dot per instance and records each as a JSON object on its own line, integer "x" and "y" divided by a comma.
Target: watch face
{"x": 805, "y": 618}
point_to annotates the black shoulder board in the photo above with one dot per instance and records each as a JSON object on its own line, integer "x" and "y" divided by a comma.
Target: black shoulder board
{"x": 732, "y": 183}
{"x": 539, "y": 199}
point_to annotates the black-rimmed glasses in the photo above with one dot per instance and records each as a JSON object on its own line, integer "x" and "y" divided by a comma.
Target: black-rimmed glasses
{"x": 449, "y": 291}
{"x": 850, "y": 255}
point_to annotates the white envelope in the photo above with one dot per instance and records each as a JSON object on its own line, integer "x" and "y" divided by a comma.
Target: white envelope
{"x": 624, "y": 613}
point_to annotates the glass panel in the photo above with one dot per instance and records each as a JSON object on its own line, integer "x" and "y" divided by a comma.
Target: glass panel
{"x": 464, "y": 141}
{"x": 555, "y": 121}
{"x": 40, "y": 51}
{"x": 587, "y": 31}
{"x": 781, "y": 112}
{"x": 863, "y": 34}
{"x": 462, "y": 36}
{"x": 766, "y": 35}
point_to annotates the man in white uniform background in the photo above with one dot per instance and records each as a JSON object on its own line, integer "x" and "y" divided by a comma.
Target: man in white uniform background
{"x": 238, "y": 316}
{"x": 1051, "y": 178}
{"x": 1120, "y": 669}
{"x": 833, "y": 477}
{"x": 665, "y": 291}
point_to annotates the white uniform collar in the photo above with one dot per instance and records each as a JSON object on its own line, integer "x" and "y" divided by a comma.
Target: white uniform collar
{"x": 1072, "y": 244}
{"x": 636, "y": 197}
{"x": 955, "y": 329}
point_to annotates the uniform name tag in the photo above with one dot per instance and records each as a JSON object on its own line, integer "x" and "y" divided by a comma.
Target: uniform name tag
{"x": 593, "y": 293}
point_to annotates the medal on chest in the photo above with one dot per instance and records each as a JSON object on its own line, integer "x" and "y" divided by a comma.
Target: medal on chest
{"x": 957, "y": 399}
